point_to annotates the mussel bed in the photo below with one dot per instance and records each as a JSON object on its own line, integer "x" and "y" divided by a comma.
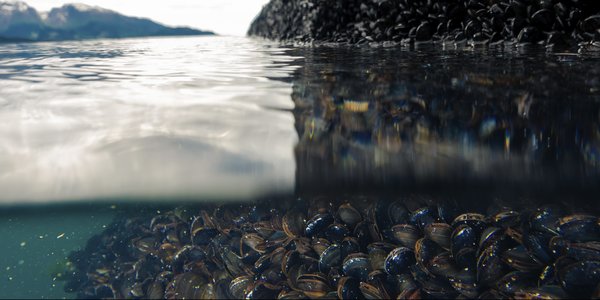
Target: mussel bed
{"x": 356, "y": 248}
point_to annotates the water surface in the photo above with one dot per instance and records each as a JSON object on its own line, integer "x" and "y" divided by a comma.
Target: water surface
{"x": 144, "y": 118}
{"x": 236, "y": 118}
{"x": 100, "y": 123}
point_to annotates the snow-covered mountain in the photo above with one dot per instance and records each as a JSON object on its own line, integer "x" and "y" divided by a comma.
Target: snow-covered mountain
{"x": 16, "y": 12}
{"x": 77, "y": 21}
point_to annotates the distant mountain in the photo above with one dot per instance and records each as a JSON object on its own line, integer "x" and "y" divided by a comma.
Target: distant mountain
{"x": 13, "y": 13}
{"x": 11, "y": 40}
{"x": 18, "y": 21}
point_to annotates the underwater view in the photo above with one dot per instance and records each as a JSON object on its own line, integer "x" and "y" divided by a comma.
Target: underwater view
{"x": 202, "y": 166}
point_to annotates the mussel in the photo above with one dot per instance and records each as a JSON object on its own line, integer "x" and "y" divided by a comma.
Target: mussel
{"x": 406, "y": 234}
{"x": 518, "y": 258}
{"x": 440, "y": 233}
{"x": 263, "y": 290}
{"x": 357, "y": 265}
{"x": 331, "y": 257}
{"x": 490, "y": 266}
{"x": 349, "y": 288}
{"x": 371, "y": 251}
{"x": 188, "y": 286}
{"x": 293, "y": 223}
{"x": 462, "y": 237}
{"x": 515, "y": 282}
{"x": 423, "y": 217}
{"x": 580, "y": 279}
{"x": 399, "y": 261}
{"x": 579, "y": 228}
{"x": 241, "y": 286}
{"x": 317, "y": 224}
{"x": 313, "y": 285}
{"x": 473, "y": 220}
{"x": 349, "y": 215}
{"x": 465, "y": 282}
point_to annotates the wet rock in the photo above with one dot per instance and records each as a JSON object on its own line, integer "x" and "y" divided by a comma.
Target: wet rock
{"x": 368, "y": 21}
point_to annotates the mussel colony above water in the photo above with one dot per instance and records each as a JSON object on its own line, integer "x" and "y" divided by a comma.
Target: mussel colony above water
{"x": 404, "y": 248}
{"x": 549, "y": 22}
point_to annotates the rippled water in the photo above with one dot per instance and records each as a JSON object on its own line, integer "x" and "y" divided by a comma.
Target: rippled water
{"x": 95, "y": 123}
{"x": 145, "y": 119}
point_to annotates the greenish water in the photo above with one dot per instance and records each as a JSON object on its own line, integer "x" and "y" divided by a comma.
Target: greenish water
{"x": 35, "y": 244}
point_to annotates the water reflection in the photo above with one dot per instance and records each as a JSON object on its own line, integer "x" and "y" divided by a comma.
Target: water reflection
{"x": 387, "y": 118}
{"x": 152, "y": 119}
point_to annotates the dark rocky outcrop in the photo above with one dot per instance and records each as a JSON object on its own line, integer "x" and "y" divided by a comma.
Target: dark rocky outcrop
{"x": 558, "y": 22}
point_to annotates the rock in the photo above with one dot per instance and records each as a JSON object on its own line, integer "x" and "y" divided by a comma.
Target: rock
{"x": 367, "y": 21}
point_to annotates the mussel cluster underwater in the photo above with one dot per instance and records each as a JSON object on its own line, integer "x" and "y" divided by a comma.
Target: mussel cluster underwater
{"x": 351, "y": 249}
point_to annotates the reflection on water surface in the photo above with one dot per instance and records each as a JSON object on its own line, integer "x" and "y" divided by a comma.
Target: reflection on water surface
{"x": 145, "y": 119}
{"x": 456, "y": 117}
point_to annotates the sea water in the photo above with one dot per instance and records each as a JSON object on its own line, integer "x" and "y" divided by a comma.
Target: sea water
{"x": 95, "y": 129}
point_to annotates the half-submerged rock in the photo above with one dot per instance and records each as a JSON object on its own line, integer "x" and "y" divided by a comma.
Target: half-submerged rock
{"x": 476, "y": 21}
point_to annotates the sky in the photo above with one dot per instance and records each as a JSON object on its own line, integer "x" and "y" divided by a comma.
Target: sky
{"x": 226, "y": 17}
